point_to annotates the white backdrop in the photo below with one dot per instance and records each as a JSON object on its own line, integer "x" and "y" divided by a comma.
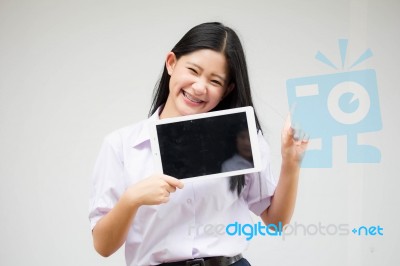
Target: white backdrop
{"x": 72, "y": 71}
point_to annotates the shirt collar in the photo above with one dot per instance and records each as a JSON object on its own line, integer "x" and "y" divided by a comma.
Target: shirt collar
{"x": 144, "y": 134}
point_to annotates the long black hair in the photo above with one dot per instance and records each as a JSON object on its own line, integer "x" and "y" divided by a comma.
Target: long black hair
{"x": 217, "y": 37}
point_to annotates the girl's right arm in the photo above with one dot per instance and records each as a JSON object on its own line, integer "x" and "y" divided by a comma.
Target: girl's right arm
{"x": 111, "y": 231}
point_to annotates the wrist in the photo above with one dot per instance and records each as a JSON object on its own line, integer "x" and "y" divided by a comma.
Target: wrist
{"x": 131, "y": 198}
{"x": 290, "y": 162}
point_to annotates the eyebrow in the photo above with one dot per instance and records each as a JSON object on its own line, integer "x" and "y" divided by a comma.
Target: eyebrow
{"x": 213, "y": 74}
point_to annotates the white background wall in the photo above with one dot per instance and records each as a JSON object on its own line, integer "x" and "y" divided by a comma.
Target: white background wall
{"x": 72, "y": 71}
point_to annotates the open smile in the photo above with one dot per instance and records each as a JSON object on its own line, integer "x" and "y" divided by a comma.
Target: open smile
{"x": 191, "y": 97}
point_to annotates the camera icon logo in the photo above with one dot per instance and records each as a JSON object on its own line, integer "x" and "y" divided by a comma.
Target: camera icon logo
{"x": 344, "y": 103}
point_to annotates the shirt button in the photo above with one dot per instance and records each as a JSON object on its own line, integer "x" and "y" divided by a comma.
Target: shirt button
{"x": 189, "y": 201}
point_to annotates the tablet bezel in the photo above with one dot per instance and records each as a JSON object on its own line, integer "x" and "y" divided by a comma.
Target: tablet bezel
{"x": 253, "y": 134}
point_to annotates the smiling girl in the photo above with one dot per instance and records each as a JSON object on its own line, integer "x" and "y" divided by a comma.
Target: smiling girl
{"x": 153, "y": 213}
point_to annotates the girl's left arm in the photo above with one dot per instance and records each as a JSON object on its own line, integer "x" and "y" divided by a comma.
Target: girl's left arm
{"x": 283, "y": 202}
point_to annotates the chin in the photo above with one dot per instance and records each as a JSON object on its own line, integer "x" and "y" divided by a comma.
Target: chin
{"x": 187, "y": 110}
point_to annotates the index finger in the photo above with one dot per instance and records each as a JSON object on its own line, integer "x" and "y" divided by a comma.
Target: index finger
{"x": 288, "y": 122}
{"x": 173, "y": 181}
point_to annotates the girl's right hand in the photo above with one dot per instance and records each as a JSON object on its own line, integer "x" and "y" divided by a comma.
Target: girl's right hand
{"x": 153, "y": 190}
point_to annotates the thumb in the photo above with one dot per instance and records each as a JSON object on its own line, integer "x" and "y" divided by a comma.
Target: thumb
{"x": 172, "y": 181}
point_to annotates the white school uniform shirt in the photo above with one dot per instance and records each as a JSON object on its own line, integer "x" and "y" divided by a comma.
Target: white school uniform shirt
{"x": 192, "y": 224}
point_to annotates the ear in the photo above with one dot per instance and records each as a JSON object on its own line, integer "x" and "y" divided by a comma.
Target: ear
{"x": 170, "y": 62}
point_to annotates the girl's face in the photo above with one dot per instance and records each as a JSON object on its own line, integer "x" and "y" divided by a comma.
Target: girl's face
{"x": 198, "y": 82}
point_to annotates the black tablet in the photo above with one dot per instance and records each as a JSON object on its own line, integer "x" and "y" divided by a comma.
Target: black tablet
{"x": 213, "y": 144}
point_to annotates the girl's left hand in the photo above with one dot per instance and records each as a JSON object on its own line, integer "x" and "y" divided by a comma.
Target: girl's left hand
{"x": 294, "y": 143}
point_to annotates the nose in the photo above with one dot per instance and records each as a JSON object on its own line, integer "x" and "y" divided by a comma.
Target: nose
{"x": 199, "y": 87}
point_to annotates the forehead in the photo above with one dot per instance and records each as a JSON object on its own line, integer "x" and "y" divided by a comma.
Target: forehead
{"x": 207, "y": 59}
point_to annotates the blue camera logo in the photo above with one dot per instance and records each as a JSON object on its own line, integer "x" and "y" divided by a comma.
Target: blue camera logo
{"x": 344, "y": 103}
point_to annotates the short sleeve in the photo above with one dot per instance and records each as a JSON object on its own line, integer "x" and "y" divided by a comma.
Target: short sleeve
{"x": 107, "y": 184}
{"x": 260, "y": 186}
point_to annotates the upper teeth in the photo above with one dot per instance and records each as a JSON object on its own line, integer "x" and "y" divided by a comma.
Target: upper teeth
{"x": 190, "y": 97}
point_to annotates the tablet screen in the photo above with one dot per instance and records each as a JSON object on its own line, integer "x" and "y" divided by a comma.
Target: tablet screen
{"x": 206, "y": 146}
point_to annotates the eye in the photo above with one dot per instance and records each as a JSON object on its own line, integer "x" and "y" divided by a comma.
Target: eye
{"x": 192, "y": 70}
{"x": 217, "y": 82}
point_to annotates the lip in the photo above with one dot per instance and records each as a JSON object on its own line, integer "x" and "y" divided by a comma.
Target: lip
{"x": 191, "y": 99}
